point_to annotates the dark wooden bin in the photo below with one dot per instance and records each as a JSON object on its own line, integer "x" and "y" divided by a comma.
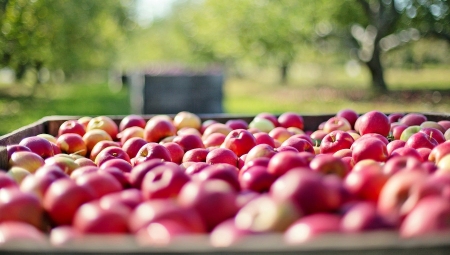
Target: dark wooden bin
{"x": 332, "y": 244}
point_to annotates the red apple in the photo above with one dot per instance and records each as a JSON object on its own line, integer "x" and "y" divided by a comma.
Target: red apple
{"x": 63, "y": 198}
{"x": 110, "y": 153}
{"x": 189, "y": 142}
{"x": 237, "y": 124}
{"x": 104, "y": 123}
{"x": 256, "y": 178}
{"x": 269, "y": 116}
{"x": 395, "y": 117}
{"x": 99, "y": 183}
{"x": 445, "y": 124}
{"x": 336, "y": 123}
{"x": 401, "y": 163}
{"x": 221, "y": 155}
{"x": 207, "y": 196}
{"x": 119, "y": 163}
{"x": 133, "y": 145}
{"x": 152, "y": 151}
{"x": 158, "y": 128}
{"x": 349, "y": 114}
{"x": 16, "y": 233}
{"x": 374, "y": 122}
{"x": 216, "y": 128}
{"x": 363, "y": 216}
{"x": 195, "y": 155}
{"x": 419, "y": 140}
{"x": 130, "y": 198}
{"x": 221, "y": 171}
{"x": 93, "y": 219}
{"x": 130, "y": 133}
{"x": 72, "y": 143}
{"x": 38, "y": 145}
{"x": 71, "y": 126}
{"x": 434, "y": 133}
{"x": 233, "y": 235}
{"x": 132, "y": 120}
{"x": 328, "y": 164}
{"x": 175, "y": 150}
{"x": 282, "y": 162}
{"x": 311, "y": 226}
{"x": 369, "y": 148}
{"x": 100, "y": 146}
{"x": 260, "y": 150}
{"x": 240, "y": 141}
{"x": 335, "y": 141}
{"x": 164, "y": 181}
{"x": 366, "y": 180}
{"x": 92, "y": 137}
{"x": 393, "y": 145}
{"x": 291, "y": 119}
{"x": 62, "y": 236}
{"x": 213, "y": 140}
{"x": 17, "y": 205}
{"x": 413, "y": 119}
{"x": 138, "y": 172}
{"x": 280, "y": 134}
{"x": 196, "y": 167}
{"x": 438, "y": 152}
{"x": 298, "y": 143}
{"x": 397, "y": 130}
{"x": 27, "y": 160}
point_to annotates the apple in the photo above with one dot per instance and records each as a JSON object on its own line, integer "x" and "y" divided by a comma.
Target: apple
{"x": 445, "y": 124}
{"x": 237, "y": 124}
{"x": 110, "y": 153}
{"x": 374, "y": 122}
{"x": 164, "y": 181}
{"x": 240, "y": 141}
{"x": 260, "y": 150}
{"x": 397, "y": 130}
{"x": 433, "y": 124}
{"x": 438, "y": 152}
{"x": 133, "y": 145}
{"x": 369, "y": 148}
{"x": 280, "y": 134}
{"x": 165, "y": 209}
{"x": 301, "y": 144}
{"x": 92, "y": 137}
{"x": 84, "y": 121}
{"x": 335, "y": 141}
{"x": 282, "y": 162}
{"x": 104, "y": 123}
{"x": 395, "y": 117}
{"x": 363, "y": 216}
{"x": 329, "y": 164}
{"x": 196, "y": 167}
{"x": 175, "y": 150}
{"x": 434, "y": 133}
{"x": 336, "y": 123}
{"x": 264, "y": 138}
{"x": 413, "y": 119}
{"x": 100, "y": 146}
{"x": 18, "y": 174}
{"x": 130, "y": 198}
{"x": 311, "y": 226}
{"x": 213, "y": 140}
{"x": 261, "y": 124}
{"x": 400, "y": 163}
{"x": 393, "y": 145}
{"x": 129, "y": 133}
{"x": 17, "y": 233}
{"x": 424, "y": 153}
{"x": 83, "y": 170}
{"x": 7, "y": 181}
{"x": 17, "y": 205}
{"x": 51, "y": 170}
{"x": 15, "y": 147}
{"x": 423, "y": 221}
{"x": 138, "y": 172}
{"x": 306, "y": 190}
{"x": 393, "y": 199}
{"x": 216, "y": 128}
{"x": 349, "y": 114}
{"x": 38, "y": 145}
{"x": 420, "y": 140}
{"x": 99, "y": 183}
{"x": 291, "y": 119}
{"x": 265, "y": 214}
{"x": 195, "y": 155}
{"x": 36, "y": 185}
{"x": 189, "y": 142}
{"x": 158, "y": 128}
{"x": 27, "y": 160}
{"x": 63, "y": 236}
{"x": 132, "y": 120}
{"x": 227, "y": 234}
{"x": 71, "y": 126}
{"x": 406, "y": 151}
{"x": 91, "y": 218}
{"x": 188, "y": 130}
{"x": 221, "y": 171}
{"x": 207, "y": 196}
{"x": 269, "y": 116}
{"x": 72, "y": 143}
{"x": 151, "y": 151}
{"x": 119, "y": 163}
{"x": 256, "y": 178}
{"x": 161, "y": 233}
{"x": 366, "y": 180}
{"x": 187, "y": 119}
{"x": 221, "y": 155}
{"x": 85, "y": 162}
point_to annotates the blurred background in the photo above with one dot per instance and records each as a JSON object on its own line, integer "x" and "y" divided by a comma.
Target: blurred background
{"x": 96, "y": 57}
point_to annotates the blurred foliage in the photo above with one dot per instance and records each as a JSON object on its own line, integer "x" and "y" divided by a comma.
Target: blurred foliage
{"x": 60, "y": 34}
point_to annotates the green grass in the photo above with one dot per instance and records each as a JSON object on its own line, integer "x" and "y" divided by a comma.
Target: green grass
{"x": 311, "y": 90}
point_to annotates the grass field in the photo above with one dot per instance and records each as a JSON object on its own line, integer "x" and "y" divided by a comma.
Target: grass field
{"x": 311, "y": 90}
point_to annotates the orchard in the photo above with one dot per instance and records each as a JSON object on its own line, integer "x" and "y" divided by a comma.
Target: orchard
{"x": 160, "y": 179}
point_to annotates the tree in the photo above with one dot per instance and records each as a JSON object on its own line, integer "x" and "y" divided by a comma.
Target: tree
{"x": 60, "y": 34}
{"x": 266, "y": 32}
{"x": 375, "y": 27}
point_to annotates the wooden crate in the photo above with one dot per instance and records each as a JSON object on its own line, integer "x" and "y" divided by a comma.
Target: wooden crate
{"x": 384, "y": 242}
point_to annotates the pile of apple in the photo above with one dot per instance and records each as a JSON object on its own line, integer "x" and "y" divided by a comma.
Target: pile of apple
{"x": 165, "y": 178}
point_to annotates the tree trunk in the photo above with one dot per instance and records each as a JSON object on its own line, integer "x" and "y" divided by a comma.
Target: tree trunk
{"x": 377, "y": 71}
{"x": 284, "y": 72}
